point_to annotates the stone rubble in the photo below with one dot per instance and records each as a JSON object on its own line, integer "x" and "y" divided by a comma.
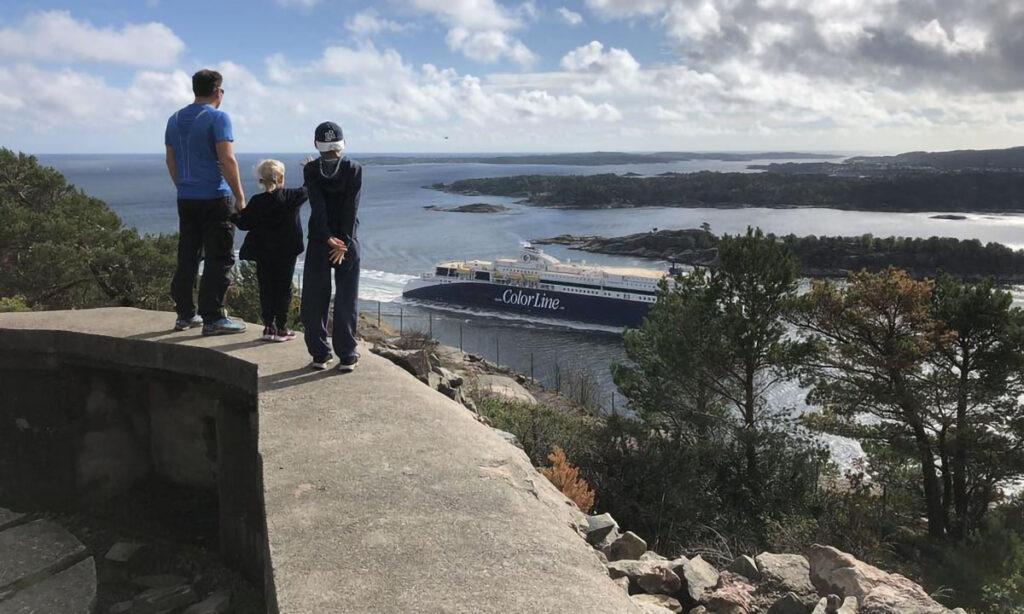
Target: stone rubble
{"x": 826, "y": 581}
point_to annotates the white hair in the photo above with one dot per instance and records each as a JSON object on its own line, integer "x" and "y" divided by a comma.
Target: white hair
{"x": 269, "y": 173}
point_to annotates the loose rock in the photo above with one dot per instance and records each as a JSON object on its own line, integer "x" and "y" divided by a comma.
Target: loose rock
{"x": 657, "y": 604}
{"x": 733, "y": 594}
{"x": 878, "y": 592}
{"x": 790, "y": 603}
{"x": 122, "y": 552}
{"x": 416, "y": 362}
{"x": 788, "y": 573}
{"x": 745, "y": 566}
{"x": 629, "y": 546}
{"x": 833, "y": 604}
{"x": 658, "y": 578}
{"x": 697, "y": 576}
{"x": 599, "y": 526}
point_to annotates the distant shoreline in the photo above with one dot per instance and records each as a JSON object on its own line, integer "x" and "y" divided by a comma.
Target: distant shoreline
{"x": 822, "y": 257}
{"x": 895, "y": 192}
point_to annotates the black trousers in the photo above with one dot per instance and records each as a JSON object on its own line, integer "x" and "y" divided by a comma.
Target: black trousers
{"x": 316, "y": 301}
{"x": 274, "y": 275}
{"x": 205, "y": 233}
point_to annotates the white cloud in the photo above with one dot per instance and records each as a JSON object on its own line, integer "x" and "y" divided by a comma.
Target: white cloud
{"x": 56, "y": 36}
{"x": 368, "y": 22}
{"x": 528, "y": 10}
{"x": 302, "y": 4}
{"x": 570, "y": 17}
{"x": 693, "y": 23}
{"x": 364, "y": 62}
{"x": 66, "y": 98}
{"x": 489, "y": 46}
{"x": 963, "y": 39}
{"x": 469, "y": 14}
{"x": 480, "y": 29}
{"x": 593, "y": 57}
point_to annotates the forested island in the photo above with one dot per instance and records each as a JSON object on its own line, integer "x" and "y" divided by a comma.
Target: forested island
{"x": 596, "y": 158}
{"x": 944, "y": 192}
{"x": 825, "y": 256}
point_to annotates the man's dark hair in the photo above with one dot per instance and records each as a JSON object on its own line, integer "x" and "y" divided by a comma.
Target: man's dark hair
{"x": 205, "y": 82}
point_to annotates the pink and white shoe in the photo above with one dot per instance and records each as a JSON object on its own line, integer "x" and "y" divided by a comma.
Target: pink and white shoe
{"x": 284, "y": 335}
{"x": 269, "y": 334}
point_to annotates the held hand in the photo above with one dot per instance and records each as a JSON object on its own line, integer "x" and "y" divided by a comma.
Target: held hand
{"x": 239, "y": 204}
{"x": 337, "y": 249}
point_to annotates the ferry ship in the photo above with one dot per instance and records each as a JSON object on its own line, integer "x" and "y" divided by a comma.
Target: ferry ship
{"x": 538, "y": 284}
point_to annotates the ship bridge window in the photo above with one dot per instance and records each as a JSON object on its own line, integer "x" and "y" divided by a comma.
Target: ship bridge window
{"x": 483, "y": 275}
{"x": 441, "y": 271}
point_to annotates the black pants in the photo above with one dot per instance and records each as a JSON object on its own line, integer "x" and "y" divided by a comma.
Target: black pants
{"x": 204, "y": 233}
{"x": 275, "y": 275}
{"x": 316, "y": 301}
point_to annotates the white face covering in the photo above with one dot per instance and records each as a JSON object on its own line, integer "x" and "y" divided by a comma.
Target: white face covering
{"x": 338, "y": 146}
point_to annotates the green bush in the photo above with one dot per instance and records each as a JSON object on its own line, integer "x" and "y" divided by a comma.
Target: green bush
{"x": 541, "y": 428}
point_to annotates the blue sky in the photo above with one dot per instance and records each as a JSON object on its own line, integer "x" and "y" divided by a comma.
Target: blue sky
{"x": 508, "y": 76}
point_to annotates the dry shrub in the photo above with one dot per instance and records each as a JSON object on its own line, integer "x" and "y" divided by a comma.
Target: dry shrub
{"x": 567, "y": 479}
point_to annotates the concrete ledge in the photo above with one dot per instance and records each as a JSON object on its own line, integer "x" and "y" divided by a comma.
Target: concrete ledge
{"x": 380, "y": 494}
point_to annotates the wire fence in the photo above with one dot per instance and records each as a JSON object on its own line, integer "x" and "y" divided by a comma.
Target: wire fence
{"x": 560, "y": 372}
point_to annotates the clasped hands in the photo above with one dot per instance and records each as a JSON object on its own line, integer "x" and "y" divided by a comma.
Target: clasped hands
{"x": 337, "y": 249}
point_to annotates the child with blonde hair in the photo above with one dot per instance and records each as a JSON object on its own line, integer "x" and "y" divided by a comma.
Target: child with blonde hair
{"x": 273, "y": 242}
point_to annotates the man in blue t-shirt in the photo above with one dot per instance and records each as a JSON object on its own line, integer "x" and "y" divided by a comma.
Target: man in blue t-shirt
{"x": 202, "y": 165}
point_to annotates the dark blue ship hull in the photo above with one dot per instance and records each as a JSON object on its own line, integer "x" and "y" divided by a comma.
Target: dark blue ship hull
{"x": 536, "y": 302}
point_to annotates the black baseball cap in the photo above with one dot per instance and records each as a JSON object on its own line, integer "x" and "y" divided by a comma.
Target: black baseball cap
{"x": 328, "y": 137}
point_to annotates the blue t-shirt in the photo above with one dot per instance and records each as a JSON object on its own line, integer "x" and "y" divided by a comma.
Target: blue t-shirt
{"x": 193, "y": 133}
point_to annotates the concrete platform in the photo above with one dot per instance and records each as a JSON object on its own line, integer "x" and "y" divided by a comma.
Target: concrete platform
{"x": 381, "y": 495}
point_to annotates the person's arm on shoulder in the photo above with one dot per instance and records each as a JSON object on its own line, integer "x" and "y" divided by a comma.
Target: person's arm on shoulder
{"x": 223, "y": 137}
{"x": 350, "y": 206}
{"x": 295, "y": 198}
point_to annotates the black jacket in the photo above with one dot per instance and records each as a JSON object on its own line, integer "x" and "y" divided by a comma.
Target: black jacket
{"x": 334, "y": 188}
{"x": 272, "y": 219}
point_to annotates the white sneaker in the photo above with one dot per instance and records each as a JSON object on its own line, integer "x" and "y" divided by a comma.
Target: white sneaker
{"x": 320, "y": 366}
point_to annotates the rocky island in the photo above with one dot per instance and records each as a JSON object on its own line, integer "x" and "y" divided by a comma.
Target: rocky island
{"x": 472, "y": 208}
{"x": 823, "y": 256}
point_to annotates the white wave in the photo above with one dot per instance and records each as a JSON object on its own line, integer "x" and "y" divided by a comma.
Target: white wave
{"x": 527, "y": 321}
{"x": 384, "y": 276}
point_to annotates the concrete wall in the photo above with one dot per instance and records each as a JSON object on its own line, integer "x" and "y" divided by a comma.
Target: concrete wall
{"x": 85, "y": 417}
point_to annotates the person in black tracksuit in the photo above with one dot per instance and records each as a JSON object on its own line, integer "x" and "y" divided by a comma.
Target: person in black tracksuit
{"x": 274, "y": 241}
{"x": 334, "y": 184}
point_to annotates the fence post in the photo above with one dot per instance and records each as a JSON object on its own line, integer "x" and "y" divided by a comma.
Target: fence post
{"x": 531, "y": 369}
{"x": 497, "y": 351}
{"x": 613, "y": 402}
{"x": 401, "y": 320}
{"x": 558, "y": 377}
{"x": 378, "y": 314}
{"x": 430, "y": 329}
{"x": 460, "y": 336}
